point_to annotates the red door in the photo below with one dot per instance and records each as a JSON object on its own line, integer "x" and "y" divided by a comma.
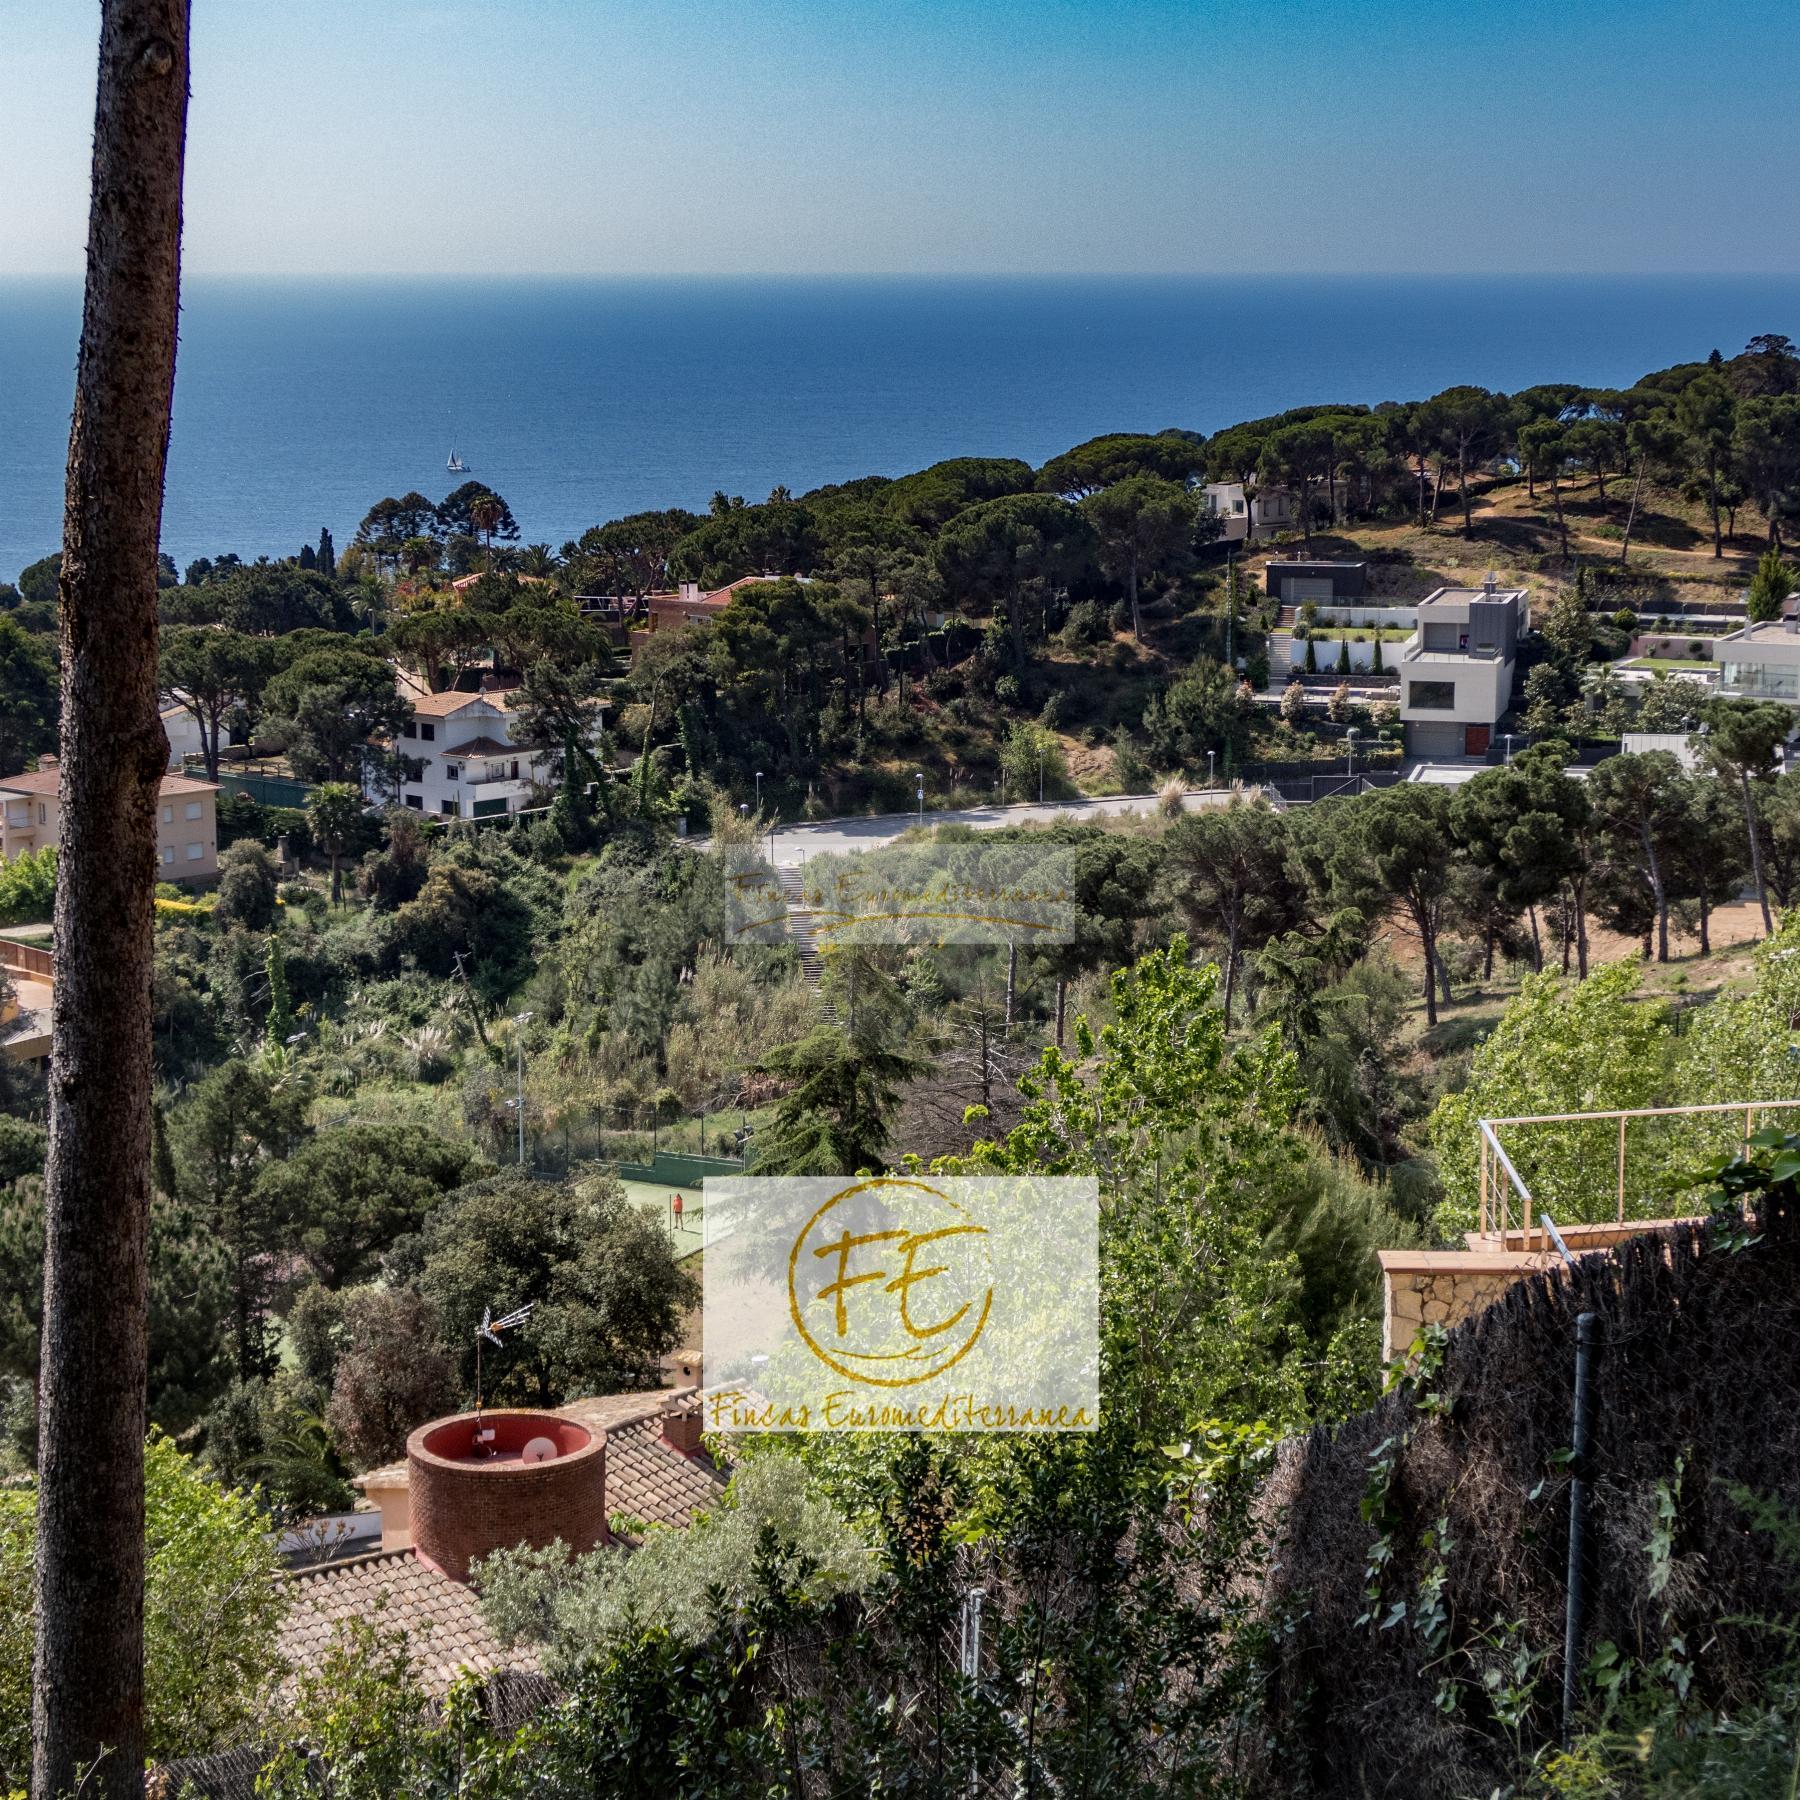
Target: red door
{"x": 1475, "y": 740}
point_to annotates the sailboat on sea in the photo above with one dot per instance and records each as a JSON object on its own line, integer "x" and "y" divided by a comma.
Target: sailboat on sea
{"x": 456, "y": 465}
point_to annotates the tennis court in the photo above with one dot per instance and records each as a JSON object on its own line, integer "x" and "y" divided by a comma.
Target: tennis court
{"x": 653, "y": 1197}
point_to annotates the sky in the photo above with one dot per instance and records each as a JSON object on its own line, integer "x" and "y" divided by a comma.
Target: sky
{"x": 516, "y": 137}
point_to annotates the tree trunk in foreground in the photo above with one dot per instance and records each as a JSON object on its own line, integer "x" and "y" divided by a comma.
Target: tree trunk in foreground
{"x": 88, "y": 1682}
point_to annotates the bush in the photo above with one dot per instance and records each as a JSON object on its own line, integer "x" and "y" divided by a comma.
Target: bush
{"x": 28, "y": 887}
{"x": 246, "y": 893}
{"x": 1625, "y": 619}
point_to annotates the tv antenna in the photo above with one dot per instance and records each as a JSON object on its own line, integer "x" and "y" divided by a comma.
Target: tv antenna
{"x": 489, "y": 1330}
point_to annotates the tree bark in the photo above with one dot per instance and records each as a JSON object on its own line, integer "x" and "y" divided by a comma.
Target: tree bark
{"x": 1756, "y": 860}
{"x": 88, "y": 1679}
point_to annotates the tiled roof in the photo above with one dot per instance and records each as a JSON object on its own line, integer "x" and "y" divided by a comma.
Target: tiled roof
{"x": 441, "y": 706}
{"x": 394, "y": 1590}
{"x": 46, "y": 781}
{"x": 481, "y": 746}
{"x": 646, "y": 1478}
{"x": 649, "y": 1479}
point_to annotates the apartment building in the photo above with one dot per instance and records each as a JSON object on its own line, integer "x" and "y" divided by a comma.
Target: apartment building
{"x": 187, "y": 821}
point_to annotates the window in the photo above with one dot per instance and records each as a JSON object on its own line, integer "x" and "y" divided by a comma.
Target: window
{"x": 409, "y": 729}
{"x": 168, "y": 815}
{"x": 448, "y": 809}
{"x": 193, "y": 809}
{"x": 168, "y": 856}
{"x": 416, "y": 802}
{"x": 1431, "y": 696}
{"x": 452, "y": 771}
{"x": 428, "y": 733}
{"x": 43, "y": 813}
{"x": 195, "y": 852}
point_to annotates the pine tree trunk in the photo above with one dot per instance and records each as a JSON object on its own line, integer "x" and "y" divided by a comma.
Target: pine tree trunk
{"x": 1756, "y": 860}
{"x": 1012, "y": 981}
{"x": 88, "y": 1680}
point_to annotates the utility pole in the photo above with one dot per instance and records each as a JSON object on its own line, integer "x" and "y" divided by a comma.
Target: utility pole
{"x": 519, "y": 1025}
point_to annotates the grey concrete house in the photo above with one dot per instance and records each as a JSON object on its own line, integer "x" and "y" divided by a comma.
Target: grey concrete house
{"x": 1456, "y": 670}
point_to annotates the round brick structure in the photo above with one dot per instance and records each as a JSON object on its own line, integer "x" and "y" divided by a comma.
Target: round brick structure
{"x": 532, "y": 1477}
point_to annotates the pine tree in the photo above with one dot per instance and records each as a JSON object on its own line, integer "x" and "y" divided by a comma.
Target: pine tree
{"x": 306, "y": 559}
{"x": 327, "y": 554}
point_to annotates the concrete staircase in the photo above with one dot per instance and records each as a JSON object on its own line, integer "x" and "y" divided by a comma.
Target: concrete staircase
{"x": 800, "y": 926}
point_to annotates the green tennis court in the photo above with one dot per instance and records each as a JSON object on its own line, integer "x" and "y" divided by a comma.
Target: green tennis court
{"x": 653, "y": 1197}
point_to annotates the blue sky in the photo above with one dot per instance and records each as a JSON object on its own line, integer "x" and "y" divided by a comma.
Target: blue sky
{"x": 754, "y": 136}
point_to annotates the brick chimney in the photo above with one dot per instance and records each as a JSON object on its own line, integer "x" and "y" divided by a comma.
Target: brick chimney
{"x": 681, "y": 1425}
{"x": 509, "y": 1478}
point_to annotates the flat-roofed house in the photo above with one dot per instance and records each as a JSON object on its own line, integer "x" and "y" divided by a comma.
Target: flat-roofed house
{"x": 187, "y": 821}
{"x": 1456, "y": 670}
{"x": 1762, "y": 662}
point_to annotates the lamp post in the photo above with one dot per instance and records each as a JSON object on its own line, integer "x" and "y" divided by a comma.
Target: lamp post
{"x": 920, "y": 795}
{"x": 1509, "y": 745}
{"x": 1041, "y": 749}
{"x": 1211, "y": 758}
{"x": 1350, "y": 751}
{"x": 759, "y": 790}
{"x": 519, "y": 1024}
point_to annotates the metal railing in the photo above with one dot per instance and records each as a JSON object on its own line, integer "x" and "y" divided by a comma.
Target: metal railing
{"x": 1501, "y": 1181}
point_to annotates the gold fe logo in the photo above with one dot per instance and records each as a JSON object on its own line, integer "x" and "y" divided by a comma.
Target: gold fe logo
{"x": 889, "y": 1282}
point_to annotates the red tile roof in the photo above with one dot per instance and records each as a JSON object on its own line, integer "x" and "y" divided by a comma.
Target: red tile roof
{"x": 46, "y": 781}
{"x": 394, "y": 1591}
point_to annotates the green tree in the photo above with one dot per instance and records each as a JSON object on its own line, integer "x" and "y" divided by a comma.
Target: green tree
{"x": 214, "y": 1600}
{"x": 1706, "y": 412}
{"x": 1103, "y": 462}
{"x": 279, "y": 1025}
{"x": 1559, "y": 1047}
{"x": 1765, "y": 451}
{"x": 230, "y": 1126}
{"x": 28, "y": 697}
{"x": 609, "y": 1297}
{"x": 1568, "y": 629}
{"x": 1466, "y": 423}
{"x": 834, "y": 1117}
{"x": 1142, "y": 523}
{"x": 1744, "y": 742}
{"x": 1640, "y": 808}
{"x": 248, "y": 885}
{"x": 390, "y": 1374}
{"x": 1543, "y": 447}
{"x": 347, "y": 1194}
{"x": 997, "y": 551}
{"x": 1772, "y": 583}
{"x": 335, "y": 812}
{"x": 213, "y": 674}
{"x": 329, "y": 705}
{"x": 1204, "y": 709}
{"x": 1402, "y": 835}
{"x": 1228, "y": 871}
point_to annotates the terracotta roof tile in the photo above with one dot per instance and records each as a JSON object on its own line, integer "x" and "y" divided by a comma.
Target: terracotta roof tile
{"x": 394, "y": 1590}
{"x": 651, "y": 1480}
{"x": 45, "y": 781}
{"x": 481, "y": 746}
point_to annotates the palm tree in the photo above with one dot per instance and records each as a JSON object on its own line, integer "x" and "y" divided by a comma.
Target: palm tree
{"x": 335, "y": 810}
{"x": 484, "y": 515}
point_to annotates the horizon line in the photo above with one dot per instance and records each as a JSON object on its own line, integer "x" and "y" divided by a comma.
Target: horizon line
{"x": 1274, "y": 274}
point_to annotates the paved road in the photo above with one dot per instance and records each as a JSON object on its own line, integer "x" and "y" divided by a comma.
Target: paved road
{"x": 793, "y": 844}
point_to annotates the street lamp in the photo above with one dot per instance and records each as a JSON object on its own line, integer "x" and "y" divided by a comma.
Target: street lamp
{"x": 1350, "y": 751}
{"x": 519, "y": 1023}
{"x": 1211, "y": 757}
{"x": 759, "y": 790}
{"x": 1509, "y": 745}
{"x": 920, "y": 795}
{"x": 1041, "y": 749}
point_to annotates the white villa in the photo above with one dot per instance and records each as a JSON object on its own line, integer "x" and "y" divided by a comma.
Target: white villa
{"x": 1244, "y": 516}
{"x": 1456, "y": 670}
{"x": 459, "y": 759}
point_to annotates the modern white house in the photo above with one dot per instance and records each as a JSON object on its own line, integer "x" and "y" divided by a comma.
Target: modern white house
{"x": 1244, "y": 515}
{"x": 459, "y": 758}
{"x": 1456, "y": 670}
{"x": 1762, "y": 662}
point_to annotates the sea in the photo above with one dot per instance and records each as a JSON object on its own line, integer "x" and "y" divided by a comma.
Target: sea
{"x": 298, "y": 403}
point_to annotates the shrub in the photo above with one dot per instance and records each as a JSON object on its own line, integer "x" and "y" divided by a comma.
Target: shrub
{"x": 246, "y": 893}
{"x": 28, "y": 887}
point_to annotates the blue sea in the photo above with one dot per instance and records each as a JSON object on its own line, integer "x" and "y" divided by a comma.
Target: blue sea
{"x": 300, "y": 402}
